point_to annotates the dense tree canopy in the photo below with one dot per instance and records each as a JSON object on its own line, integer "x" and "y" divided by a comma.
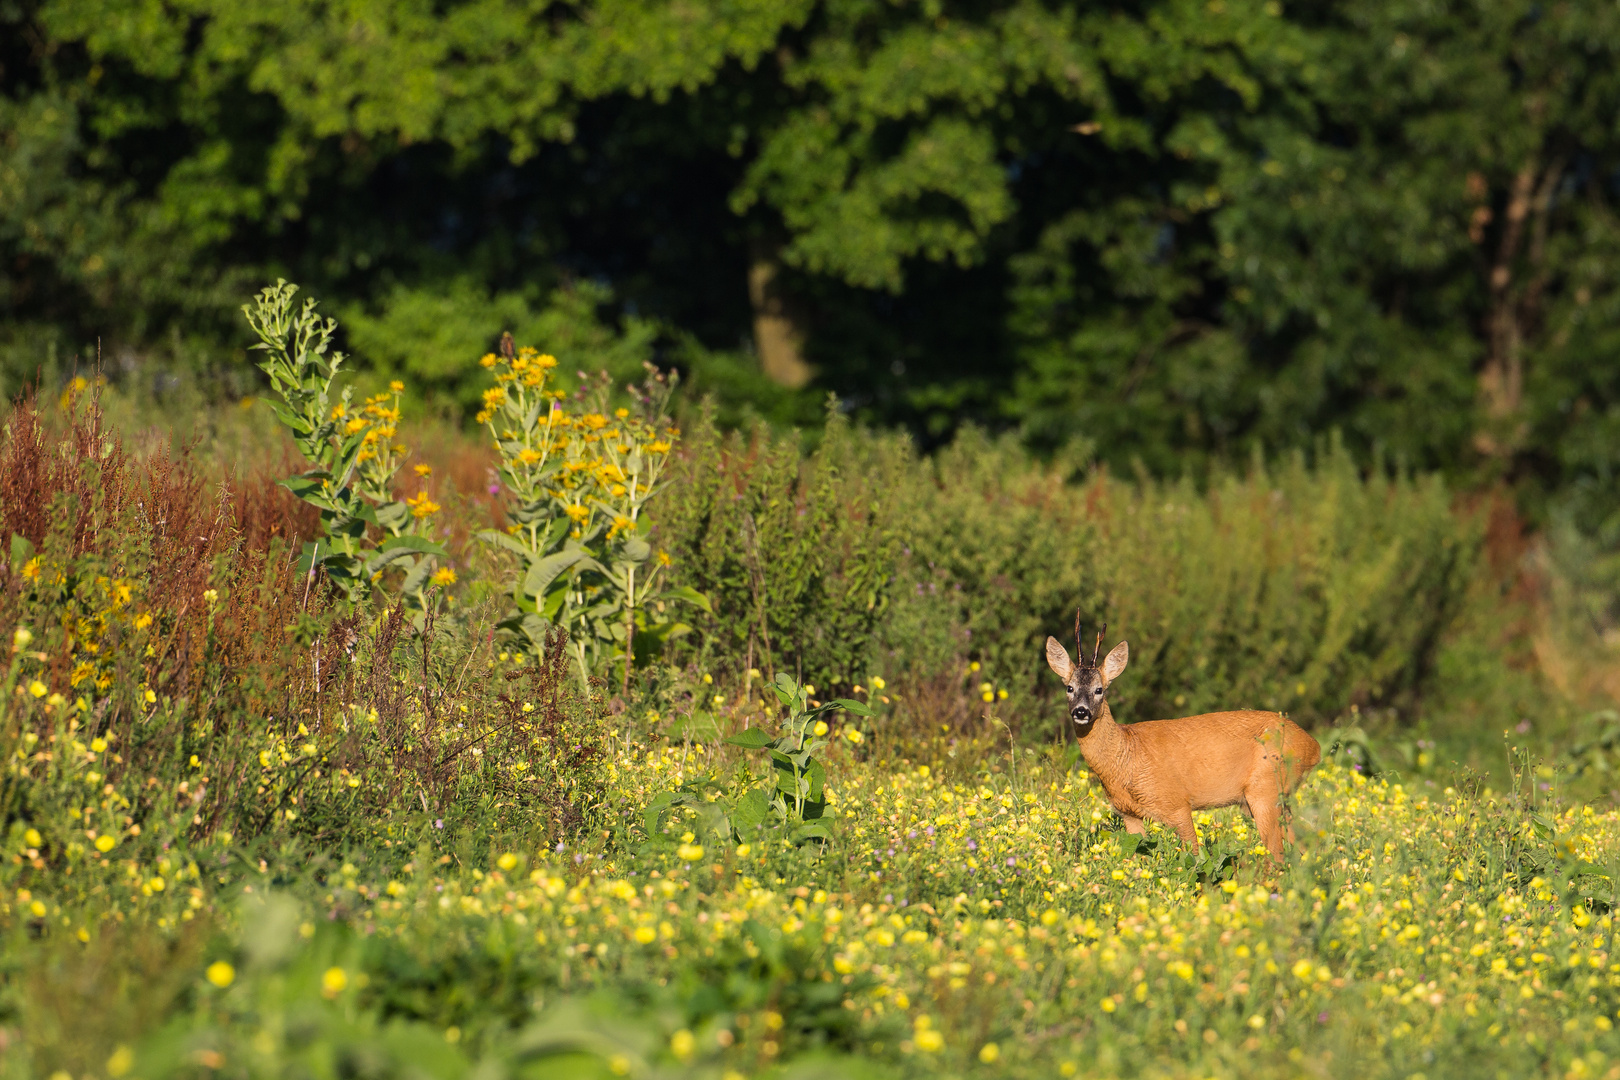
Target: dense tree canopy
{"x": 1173, "y": 228}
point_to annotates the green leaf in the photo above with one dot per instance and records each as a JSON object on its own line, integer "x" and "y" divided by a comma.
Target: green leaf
{"x": 752, "y": 809}
{"x": 850, "y": 705}
{"x": 818, "y": 779}
{"x": 687, "y": 594}
{"x": 417, "y": 578}
{"x": 699, "y": 727}
{"x": 22, "y": 549}
{"x": 660, "y": 804}
{"x": 786, "y": 690}
{"x": 413, "y": 543}
{"x": 543, "y": 572}
{"x": 306, "y": 485}
{"x": 387, "y": 558}
{"x": 393, "y": 516}
{"x": 496, "y": 538}
{"x": 812, "y": 830}
{"x": 750, "y": 739}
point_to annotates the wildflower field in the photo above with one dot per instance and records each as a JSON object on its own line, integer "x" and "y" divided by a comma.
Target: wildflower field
{"x": 605, "y": 743}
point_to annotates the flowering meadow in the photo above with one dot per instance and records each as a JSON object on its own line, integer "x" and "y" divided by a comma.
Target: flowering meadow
{"x": 967, "y": 921}
{"x": 612, "y": 744}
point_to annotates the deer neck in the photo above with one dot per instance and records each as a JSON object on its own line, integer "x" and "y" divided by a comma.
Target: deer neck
{"x": 1107, "y": 749}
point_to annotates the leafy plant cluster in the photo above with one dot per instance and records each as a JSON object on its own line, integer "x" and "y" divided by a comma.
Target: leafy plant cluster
{"x": 577, "y": 485}
{"x": 352, "y": 453}
{"x": 1310, "y": 586}
{"x": 249, "y": 825}
{"x": 790, "y": 802}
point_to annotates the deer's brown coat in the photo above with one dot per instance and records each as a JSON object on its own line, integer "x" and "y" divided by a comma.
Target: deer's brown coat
{"x": 1164, "y": 770}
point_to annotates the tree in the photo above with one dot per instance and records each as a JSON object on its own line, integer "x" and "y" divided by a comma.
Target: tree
{"x": 1173, "y": 228}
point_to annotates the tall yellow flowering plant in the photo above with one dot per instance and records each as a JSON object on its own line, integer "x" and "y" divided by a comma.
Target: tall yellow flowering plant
{"x": 577, "y": 478}
{"x": 352, "y": 452}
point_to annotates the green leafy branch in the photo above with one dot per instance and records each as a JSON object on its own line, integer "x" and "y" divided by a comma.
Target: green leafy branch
{"x": 792, "y": 797}
{"x": 352, "y": 457}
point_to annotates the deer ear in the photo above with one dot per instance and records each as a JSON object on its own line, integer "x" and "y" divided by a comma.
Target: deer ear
{"x": 1058, "y": 657}
{"x": 1115, "y": 662}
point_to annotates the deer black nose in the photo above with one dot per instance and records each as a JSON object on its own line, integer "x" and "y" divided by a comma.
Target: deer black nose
{"x": 1081, "y": 712}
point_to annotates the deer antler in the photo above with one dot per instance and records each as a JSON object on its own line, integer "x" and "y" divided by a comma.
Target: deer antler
{"x": 1079, "y": 647}
{"x": 1096, "y": 650}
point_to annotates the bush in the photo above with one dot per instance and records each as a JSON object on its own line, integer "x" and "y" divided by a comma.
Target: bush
{"x": 1308, "y": 587}
{"x": 795, "y": 552}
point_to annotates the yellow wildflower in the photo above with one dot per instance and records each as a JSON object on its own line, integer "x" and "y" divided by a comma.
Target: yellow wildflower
{"x": 333, "y": 982}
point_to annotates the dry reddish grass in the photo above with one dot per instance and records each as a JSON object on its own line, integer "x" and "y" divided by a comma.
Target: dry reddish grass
{"x": 71, "y": 487}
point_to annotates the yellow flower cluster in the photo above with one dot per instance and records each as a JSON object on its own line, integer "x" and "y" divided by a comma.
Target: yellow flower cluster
{"x": 599, "y": 467}
{"x": 377, "y": 423}
{"x": 94, "y": 610}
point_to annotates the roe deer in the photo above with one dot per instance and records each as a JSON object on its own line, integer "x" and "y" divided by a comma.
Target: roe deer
{"x": 1166, "y": 769}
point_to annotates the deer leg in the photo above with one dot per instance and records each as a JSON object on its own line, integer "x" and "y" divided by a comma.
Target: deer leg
{"x": 1133, "y": 824}
{"x": 1263, "y": 806}
{"x": 1182, "y": 821}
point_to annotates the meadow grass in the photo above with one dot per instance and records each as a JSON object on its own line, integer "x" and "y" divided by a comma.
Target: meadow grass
{"x": 252, "y": 829}
{"x": 964, "y": 924}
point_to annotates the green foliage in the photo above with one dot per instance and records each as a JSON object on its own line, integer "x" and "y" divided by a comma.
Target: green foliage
{"x": 1000, "y": 553}
{"x": 1389, "y": 221}
{"x": 795, "y": 553}
{"x": 1306, "y": 588}
{"x": 248, "y": 829}
{"x": 1309, "y": 587}
{"x": 354, "y": 456}
{"x": 790, "y": 801}
{"x": 429, "y": 335}
{"x": 577, "y": 486}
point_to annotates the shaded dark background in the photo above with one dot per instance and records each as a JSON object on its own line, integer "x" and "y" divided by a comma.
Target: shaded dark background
{"x": 1175, "y": 232}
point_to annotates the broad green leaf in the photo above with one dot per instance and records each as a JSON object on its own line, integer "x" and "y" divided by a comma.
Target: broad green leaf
{"x": 543, "y": 572}
{"x": 786, "y": 690}
{"x": 751, "y": 739}
{"x": 496, "y": 538}
{"x": 688, "y": 595}
{"x": 812, "y": 830}
{"x": 661, "y": 802}
{"x": 413, "y": 543}
{"x": 752, "y": 809}
{"x": 699, "y": 727}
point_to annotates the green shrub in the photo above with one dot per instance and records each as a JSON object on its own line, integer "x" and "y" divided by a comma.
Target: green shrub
{"x": 1308, "y": 587}
{"x": 796, "y": 553}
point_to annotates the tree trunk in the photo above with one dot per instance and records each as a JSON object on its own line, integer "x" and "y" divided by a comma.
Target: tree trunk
{"x": 1515, "y": 308}
{"x": 778, "y": 336}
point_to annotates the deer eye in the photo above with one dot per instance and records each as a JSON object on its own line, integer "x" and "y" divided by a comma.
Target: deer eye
{"x": 1098, "y": 691}
{"x": 1070, "y": 689}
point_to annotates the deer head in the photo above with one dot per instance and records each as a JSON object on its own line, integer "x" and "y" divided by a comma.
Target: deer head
{"x": 1086, "y": 682}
